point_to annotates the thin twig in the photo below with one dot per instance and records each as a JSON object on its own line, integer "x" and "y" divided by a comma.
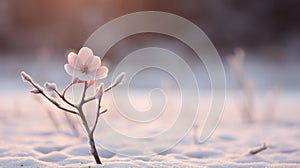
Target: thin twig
{"x": 119, "y": 79}
{"x": 110, "y": 87}
{"x": 96, "y": 121}
{"x": 84, "y": 92}
{"x": 98, "y": 113}
{"x": 51, "y": 100}
{"x": 89, "y": 99}
{"x": 104, "y": 111}
{"x": 62, "y": 96}
{"x": 70, "y": 84}
{"x": 255, "y": 151}
{"x": 57, "y": 105}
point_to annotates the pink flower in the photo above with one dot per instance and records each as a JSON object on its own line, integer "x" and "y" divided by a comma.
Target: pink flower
{"x": 85, "y": 66}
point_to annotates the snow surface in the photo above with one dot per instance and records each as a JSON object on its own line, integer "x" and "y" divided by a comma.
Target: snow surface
{"x": 28, "y": 139}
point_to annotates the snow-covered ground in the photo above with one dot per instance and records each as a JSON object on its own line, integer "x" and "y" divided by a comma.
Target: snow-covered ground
{"x": 29, "y": 139}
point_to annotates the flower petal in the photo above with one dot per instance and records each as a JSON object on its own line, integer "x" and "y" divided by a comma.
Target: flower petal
{"x": 72, "y": 58}
{"x": 78, "y": 63}
{"x": 73, "y": 72}
{"x": 89, "y": 60}
{"x": 86, "y": 77}
{"x": 84, "y": 53}
{"x": 69, "y": 69}
{"x": 93, "y": 63}
{"x": 101, "y": 72}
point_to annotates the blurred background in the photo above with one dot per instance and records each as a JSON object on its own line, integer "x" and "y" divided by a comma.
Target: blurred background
{"x": 36, "y": 36}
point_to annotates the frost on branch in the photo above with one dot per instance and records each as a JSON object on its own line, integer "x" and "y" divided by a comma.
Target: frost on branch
{"x": 99, "y": 91}
{"x": 25, "y": 77}
{"x": 50, "y": 87}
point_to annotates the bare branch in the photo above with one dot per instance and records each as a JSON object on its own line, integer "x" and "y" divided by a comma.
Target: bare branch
{"x": 50, "y": 99}
{"x": 104, "y": 111}
{"x": 68, "y": 87}
{"x": 119, "y": 79}
{"x": 110, "y": 87}
{"x": 96, "y": 121}
{"x": 255, "y": 151}
{"x": 84, "y": 92}
{"x": 89, "y": 99}
{"x": 99, "y": 95}
{"x": 87, "y": 128}
{"x": 57, "y": 105}
{"x": 62, "y": 96}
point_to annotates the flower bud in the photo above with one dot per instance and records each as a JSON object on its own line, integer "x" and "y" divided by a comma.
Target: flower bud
{"x": 35, "y": 91}
{"x": 119, "y": 79}
{"x": 26, "y": 77}
{"x": 99, "y": 91}
{"x": 91, "y": 82}
{"x": 50, "y": 86}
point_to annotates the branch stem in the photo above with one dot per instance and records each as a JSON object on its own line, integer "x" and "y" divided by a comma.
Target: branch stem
{"x": 50, "y": 99}
{"x": 255, "y": 151}
{"x": 87, "y": 128}
{"x": 89, "y": 99}
{"x": 110, "y": 87}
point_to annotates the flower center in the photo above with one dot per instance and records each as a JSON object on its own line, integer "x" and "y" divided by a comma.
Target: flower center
{"x": 85, "y": 69}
